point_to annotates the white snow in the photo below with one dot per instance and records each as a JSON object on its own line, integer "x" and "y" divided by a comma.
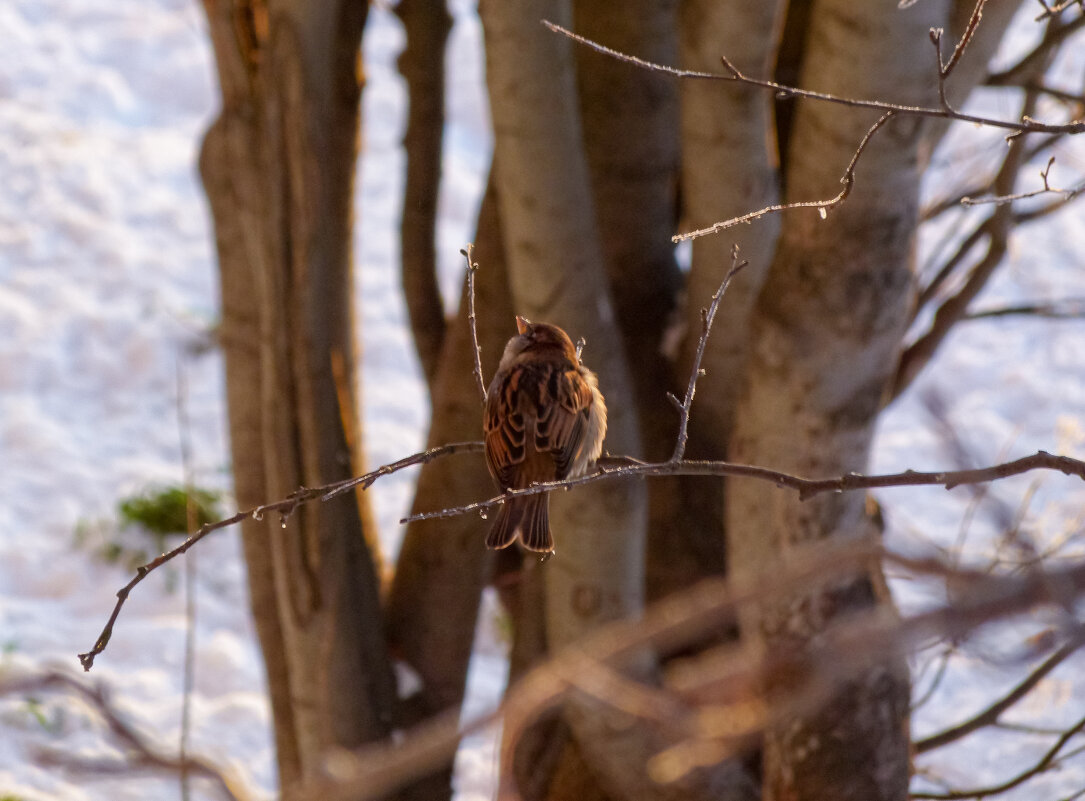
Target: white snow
{"x": 108, "y": 289}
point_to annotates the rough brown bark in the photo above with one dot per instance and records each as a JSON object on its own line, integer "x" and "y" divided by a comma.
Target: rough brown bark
{"x": 422, "y": 64}
{"x": 278, "y": 167}
{"x": 825, "y": 336}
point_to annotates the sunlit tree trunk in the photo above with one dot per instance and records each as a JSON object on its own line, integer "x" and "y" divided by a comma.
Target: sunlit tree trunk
{"x": 443, "y": 564}
{"x": 729, "y": 167}
{"x": 278, "y": 165}
{"x": 824, "y": 337}
{"x": 557, "y": 274}
{"x": 422, "y": 64}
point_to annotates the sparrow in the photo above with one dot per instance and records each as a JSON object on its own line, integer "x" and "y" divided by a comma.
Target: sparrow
{"x": 545, "y": 420}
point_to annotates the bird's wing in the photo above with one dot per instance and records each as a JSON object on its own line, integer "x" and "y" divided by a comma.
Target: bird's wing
{"x": 505, "y": 431}
{"x": 562, "y": 419}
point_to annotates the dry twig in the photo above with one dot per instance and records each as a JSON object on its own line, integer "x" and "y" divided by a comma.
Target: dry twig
{"x": 805, "y": 487}
{"x": 705, "y": 712}
{"x": 284, "y": 508}
{"x": 472, "y": 319}
{"x": 1047, "y": 762}
{"x": 142, "y": 753}
{"x": 1047, "y": 188}
{"x": 990, "y": 715}
{"x": 1026, "y": 124}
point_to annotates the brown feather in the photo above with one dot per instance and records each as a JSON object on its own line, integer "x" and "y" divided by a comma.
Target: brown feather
{"x": 544, "y": 421}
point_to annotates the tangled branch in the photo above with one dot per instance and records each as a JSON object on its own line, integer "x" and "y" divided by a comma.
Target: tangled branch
{"x": 142, "y": 753}
{"x": 717, "y": 704}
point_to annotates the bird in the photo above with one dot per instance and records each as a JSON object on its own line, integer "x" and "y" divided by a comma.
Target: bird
{"x": 544, "y": 420}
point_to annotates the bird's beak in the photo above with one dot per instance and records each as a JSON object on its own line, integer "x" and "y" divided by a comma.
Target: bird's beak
{"x": 522, "y": 324}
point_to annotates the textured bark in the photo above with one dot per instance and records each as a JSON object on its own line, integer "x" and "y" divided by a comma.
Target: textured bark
{"x": 630, "y": 121}
{"x": 556, "y": 274}
{"x": 433, "y": 604}
{"x": 631, "y": 142}
{"x": 278, "y": 167}
{"x": 422, "y": 64}
{"x": 728, "y": 168}
{"x": 729, "y": 164}
{"x": 825, "y": 336}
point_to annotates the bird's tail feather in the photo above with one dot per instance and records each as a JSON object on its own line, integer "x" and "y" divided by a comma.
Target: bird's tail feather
{"x": 527, "y": 518}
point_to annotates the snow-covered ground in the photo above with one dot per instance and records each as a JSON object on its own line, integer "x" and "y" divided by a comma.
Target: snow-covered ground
{"x": 108, "y": 290}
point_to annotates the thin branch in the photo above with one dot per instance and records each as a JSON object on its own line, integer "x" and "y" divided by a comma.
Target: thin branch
{"x": 930, "y": 291}
{"x": 146, "y": 754}
{"x": 805, "y": 487}
{"x": 847, "y": 648}
{"x": 1058, "y": 8}
{"x": 953, "y": 202}
{"x": 991, "y": 714}
{"x": 945, "y": 68}
{"x": 970, "y": 30}
{"x": 1025, "y": 125}
{"x": 1069, "y": 309}
{"x": 1054, "y": 36}
{"x": 939, "y": 674}
{"x": 997, "y": 227}
{"x": 1048, "y": 761}
{"x": 472, "y": 319}
{"x": 707, "y": 317}
{"x": 823, "y": 206}
{"x": 285, "y": 508}
{"x": 188, "y": 677}
{"x": 1047, "y": 188}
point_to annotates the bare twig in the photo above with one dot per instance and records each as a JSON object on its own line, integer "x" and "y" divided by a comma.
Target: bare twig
{"x": 1047, "y": 188}
{"x": 191, "y": 524}
{"x": 805, "y": 487}
{"x": 472, "y": 268}
{"x": 144, "y": 753}
{"x": 969, "y": 31}
{"x": 991, "y": 714}
{"x": 1058, "y": 8}
{"x": 707, "y": 317}
{"x": 997, "y": 227}
{"x": 1069, "y": 309}
{"x": 946, "y": 67}
{"x": 1046, "y": 762}
{"x": 953, "y": 202}
{"x": 1026, "y": 125}
{"x": 285, "y": 508}
{"x": 939, "y": 674}
{"x": 823, "y": 206}
{"x": 930, "y": 291}
{"x": 845, "y": 650}
{"x": 1055, "y": 34}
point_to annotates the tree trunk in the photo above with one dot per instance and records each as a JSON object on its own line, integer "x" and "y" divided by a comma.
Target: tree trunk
{"x": 556, "y": 274}
{"x": 443, "y": 564}
{"x": 825, "y": 337}
{"x": 422, "y": 65}
{"x": 728, "y": 168}
{"x": 278, "y": 167}
{"x": 827, "y": 332}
